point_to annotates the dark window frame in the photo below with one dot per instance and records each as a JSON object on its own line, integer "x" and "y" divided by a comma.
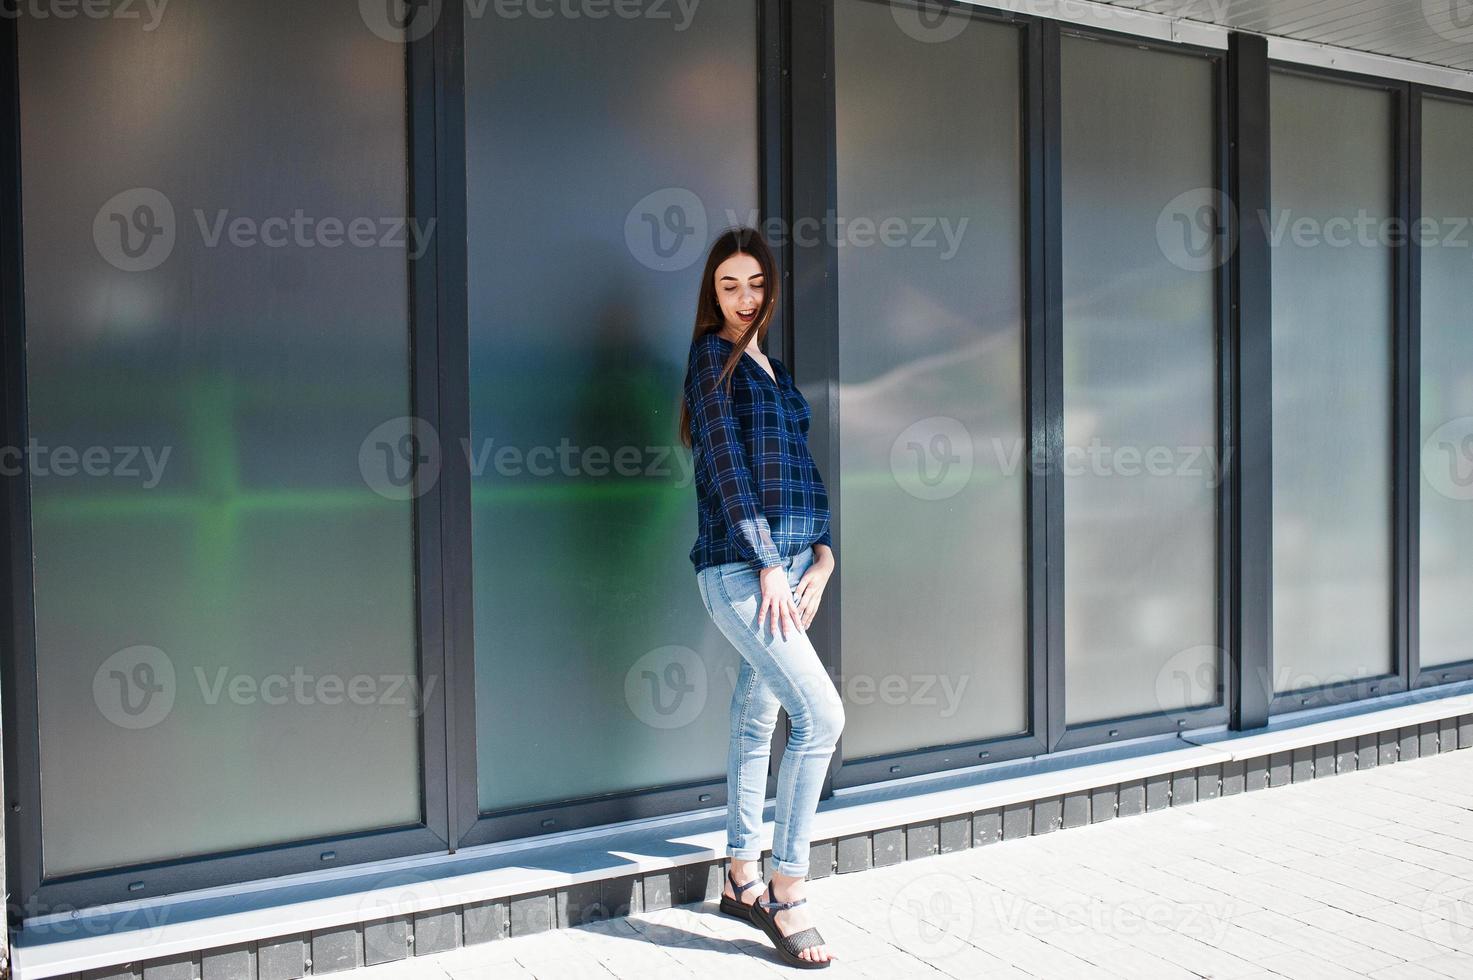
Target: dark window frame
{"x": 1461, "y": 670}
{"x": 1148, "y": 723}
{"x": 432, "y": 307}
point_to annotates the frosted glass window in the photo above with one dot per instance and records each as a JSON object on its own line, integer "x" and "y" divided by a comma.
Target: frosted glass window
{"x": 932, "y": 443}
{"x": 225, "y": 618}
{"x": 603, "y": 156}
{"x": 1332, "y": 331}
{"x": 1447, "y": 384}
{"x": 1142, "y": 463}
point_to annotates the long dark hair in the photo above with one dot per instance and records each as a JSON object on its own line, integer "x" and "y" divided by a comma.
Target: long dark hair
{"x": 709, "y": 319}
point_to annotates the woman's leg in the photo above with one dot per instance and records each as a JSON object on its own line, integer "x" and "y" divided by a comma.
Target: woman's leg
{"x": 753, "y": 720}
{"x": 790, "y": 668}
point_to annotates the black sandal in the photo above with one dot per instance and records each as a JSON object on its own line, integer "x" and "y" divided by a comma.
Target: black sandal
{"x": 788, "y": 947}
{"x": 734, "y": 908}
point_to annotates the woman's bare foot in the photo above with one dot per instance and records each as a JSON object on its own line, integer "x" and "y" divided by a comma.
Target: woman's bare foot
{"x": 786, "y": 888}
{"x": 743, "y": 872}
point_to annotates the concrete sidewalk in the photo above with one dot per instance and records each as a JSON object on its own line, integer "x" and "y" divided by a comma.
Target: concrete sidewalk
{"x": 1366, "y": 874}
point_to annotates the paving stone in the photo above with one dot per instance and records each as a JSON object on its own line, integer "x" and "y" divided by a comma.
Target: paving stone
{"x": 1233, "y": 774}
{"x": 1368, "y": 753}
{"x": 335, "y": 950}
{"x": 531, "y": 914}
{"x": 1184, "y": 787}
{"x": 658, "y": 893}
{"x": 1408, "y": 743}
{"x": 855, "y": 854}
{"x": 1131, "y": 798}
{"x": 1076, "y": 810}
{"x": 1323, "y": 758}
{"x": 1017, "y": 821}
{"x": 283, "y": 958}
{"x": 1048, "y": 815}
{"x": 1209, "y": 782}
{"x": 820, "y": 860}
{"x": 436, "y": 931}
{"x": 1427, "y": 738}
{"x": 956, "y": 834}
{"x": 922, "y": 840}
{"x": 986, "y": 827}
{"x": 1301, "y": 768}
{"x": 386, "y": 940}
{"x": 1280, "y": 768}
{"x": 1345, "y": 755}
{"x": 1387, "y": 743}
{"x": 889, "y": 846}
{"x": 619, "y": 896}
{"x": 126, "y": 971}
{"x": 1255, "y": 773}
{"x": 1158, "y": 792}
{"x": 183, "y": 967}
{"x": 487, "y": 921}
{"x": 1447, "y": 735}
{"x": 238, "y": 963}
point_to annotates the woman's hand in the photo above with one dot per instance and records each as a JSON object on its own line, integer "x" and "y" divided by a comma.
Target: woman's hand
{"x": 777, "y": 597}
{"x": 810, "y": 587}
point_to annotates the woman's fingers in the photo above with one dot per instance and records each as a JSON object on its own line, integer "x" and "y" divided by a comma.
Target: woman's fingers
{"x": 788, "y": 615}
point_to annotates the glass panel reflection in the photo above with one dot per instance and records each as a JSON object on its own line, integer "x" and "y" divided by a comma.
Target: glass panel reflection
{"x": 224, "y": 606}
{"x": 1142, "y": 463}
{"x": 1332, "y": 328}
{"x": 1447, "y": 384}
{"x": 932, "y": 443}
{"x": 603, "y": 156}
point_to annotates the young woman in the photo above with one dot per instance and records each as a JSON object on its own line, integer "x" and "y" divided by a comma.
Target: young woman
{"x": 763, "y": 556}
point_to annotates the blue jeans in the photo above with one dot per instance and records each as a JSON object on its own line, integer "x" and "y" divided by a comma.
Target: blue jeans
{"x": 775, "y": 672}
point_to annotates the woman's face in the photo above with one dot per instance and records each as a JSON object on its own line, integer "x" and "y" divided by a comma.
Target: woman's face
{"x": 739, "y": 286}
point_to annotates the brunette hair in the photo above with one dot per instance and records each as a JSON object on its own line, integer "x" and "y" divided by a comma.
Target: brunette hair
{"x": 709, "y": 319}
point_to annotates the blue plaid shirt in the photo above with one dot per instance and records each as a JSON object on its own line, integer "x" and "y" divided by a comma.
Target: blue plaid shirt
{"x": 759, "y": 495}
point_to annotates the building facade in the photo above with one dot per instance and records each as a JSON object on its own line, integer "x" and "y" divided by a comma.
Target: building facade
{"x": 1138, "y": 340}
